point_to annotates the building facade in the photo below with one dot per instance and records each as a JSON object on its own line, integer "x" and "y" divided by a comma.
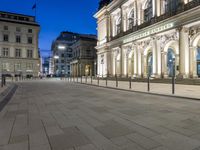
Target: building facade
{"x": 157, "y": 38}
{"x": 84, "y": 56}
{"x": 19, "y": 54}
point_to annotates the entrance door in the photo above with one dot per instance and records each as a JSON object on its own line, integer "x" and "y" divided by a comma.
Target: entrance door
{"x": 150, "y": 64}
{"x": 198, "y": 68}
{"x": 170, "y": 62}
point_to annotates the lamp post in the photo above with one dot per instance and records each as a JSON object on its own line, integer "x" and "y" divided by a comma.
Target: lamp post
{"x": 173, "y": 76}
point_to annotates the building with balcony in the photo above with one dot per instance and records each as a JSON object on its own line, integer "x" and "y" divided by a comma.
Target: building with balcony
{"x": 140, "y": 38}
{"x": 19, "y": 54}
{"x": 84, "y": 56}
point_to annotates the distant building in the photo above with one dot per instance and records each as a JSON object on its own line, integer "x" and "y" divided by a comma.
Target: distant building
{"x": 84, "y": 56}
{"x": 19, "y": 54}
{"x": 62, "y": 49}
{"x": 62, "y": 52}
{"x": 45, "y": 66}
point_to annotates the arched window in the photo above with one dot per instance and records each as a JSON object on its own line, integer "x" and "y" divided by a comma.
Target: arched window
{"x": 148, "y": 12}
{"x": 131, "y": 20}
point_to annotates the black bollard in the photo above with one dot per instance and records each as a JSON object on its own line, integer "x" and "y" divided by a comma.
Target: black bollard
{"x": 4, "y": 81}
{"x": 98, "y": 81}
{"x": 173, "y": 85}
{"x": 116, "y": 81}
{"x": 148, "y": 84}
{"x": 1, "y": 80}
{"x": 130, "y": 86}
{"x": 106, "y": 81}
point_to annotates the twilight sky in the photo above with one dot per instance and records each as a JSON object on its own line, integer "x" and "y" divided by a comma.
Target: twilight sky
{"x": 55, "y": 16}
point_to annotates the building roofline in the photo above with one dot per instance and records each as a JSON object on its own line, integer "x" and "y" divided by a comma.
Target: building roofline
{"x": 18, "y": 22}
{"x": 17, "y": 14}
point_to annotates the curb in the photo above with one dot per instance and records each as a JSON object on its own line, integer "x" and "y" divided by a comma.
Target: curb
{"x": 141, "y": 92}
{"x": 6, "y": 95}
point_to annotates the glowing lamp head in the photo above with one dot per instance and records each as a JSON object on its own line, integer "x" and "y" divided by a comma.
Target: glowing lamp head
{"x": 56, "y": 57}
{"x": 61, "y": 47}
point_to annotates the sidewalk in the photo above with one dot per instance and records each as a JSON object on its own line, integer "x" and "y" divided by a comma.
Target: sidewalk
{"x": 184, "y": 91}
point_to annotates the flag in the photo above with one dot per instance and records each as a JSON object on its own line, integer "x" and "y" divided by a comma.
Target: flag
{"x": 34, "y": 6}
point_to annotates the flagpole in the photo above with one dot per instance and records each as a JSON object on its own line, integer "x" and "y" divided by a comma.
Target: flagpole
{"x": 36, "y": 10}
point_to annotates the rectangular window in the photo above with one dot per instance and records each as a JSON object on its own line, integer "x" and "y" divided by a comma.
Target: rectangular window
{"x": 17, "y": 67}
{"x": 18, "y": 29}
{"x": 30, "y": 40}
{"x": 30, "y": 30}
{"x": 17, "y": 53}
{"x": 29, "y": 66}
{"x": 5, "y": 27}
{"x": 29, "y": 53}
{"x": 5, "y": 52}
{"x": 18, "y": 39}
{"x": 5, "y": 38}
{"x": 5, "y": 66}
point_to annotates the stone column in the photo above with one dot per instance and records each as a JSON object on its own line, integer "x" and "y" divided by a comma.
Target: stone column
{"x": 159, "y": 62}
{"x": 158, "y": 7}
{"x": 123, "y": 63}
{"x": 111, "y": 26}
{"x": 184, "y": 52}
{"x": 112, "y": 64}
{"x": 154, "y": 54}
{"x": 193, "y": 62}
{"x": 154, "y": 7}
{"x": 126, "y": 57}
{"x": 164, "y": 65}
{"x": 98, "y": 64}
{"x": 122, "y": 22}
{"x": 135, "y": 62}
{"x": 139, "y": 63}
{"x": 144, "y": 65}
{"x": 110, "y": 33}
{"x": 109, "y": 64}
{"x": 139, "y": 13}
{"x": 77, "y": 69}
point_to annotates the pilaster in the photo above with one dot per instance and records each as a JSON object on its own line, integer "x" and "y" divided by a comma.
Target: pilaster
{"x": 184, "y": 52}
{"x": 193, "y": 62}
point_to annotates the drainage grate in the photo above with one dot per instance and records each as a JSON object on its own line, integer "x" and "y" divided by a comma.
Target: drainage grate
{"x": 7, "y": 97}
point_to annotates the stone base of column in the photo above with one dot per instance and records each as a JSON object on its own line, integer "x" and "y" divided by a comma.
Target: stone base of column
{"x": 145, "y": 76}
{"x": 194, "y": 76}
{"x": 182, "y": 76}
{"x": 135, "y": 76}
{"x": 156, "y": 76}
{"x": 166, "y": 76}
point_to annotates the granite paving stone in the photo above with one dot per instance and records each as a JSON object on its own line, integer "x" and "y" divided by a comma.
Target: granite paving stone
{"x": 57, "y": 115}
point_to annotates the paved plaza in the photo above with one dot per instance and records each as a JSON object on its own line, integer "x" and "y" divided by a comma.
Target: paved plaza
{"x": 57, "y": 115}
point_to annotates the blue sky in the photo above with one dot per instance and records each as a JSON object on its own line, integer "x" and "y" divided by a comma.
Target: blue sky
{"x": 55, "y": 16}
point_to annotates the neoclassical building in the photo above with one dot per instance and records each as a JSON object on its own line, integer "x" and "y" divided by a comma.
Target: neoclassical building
{"x": 19, "y": 52}
{"x": 137, "y": 38}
